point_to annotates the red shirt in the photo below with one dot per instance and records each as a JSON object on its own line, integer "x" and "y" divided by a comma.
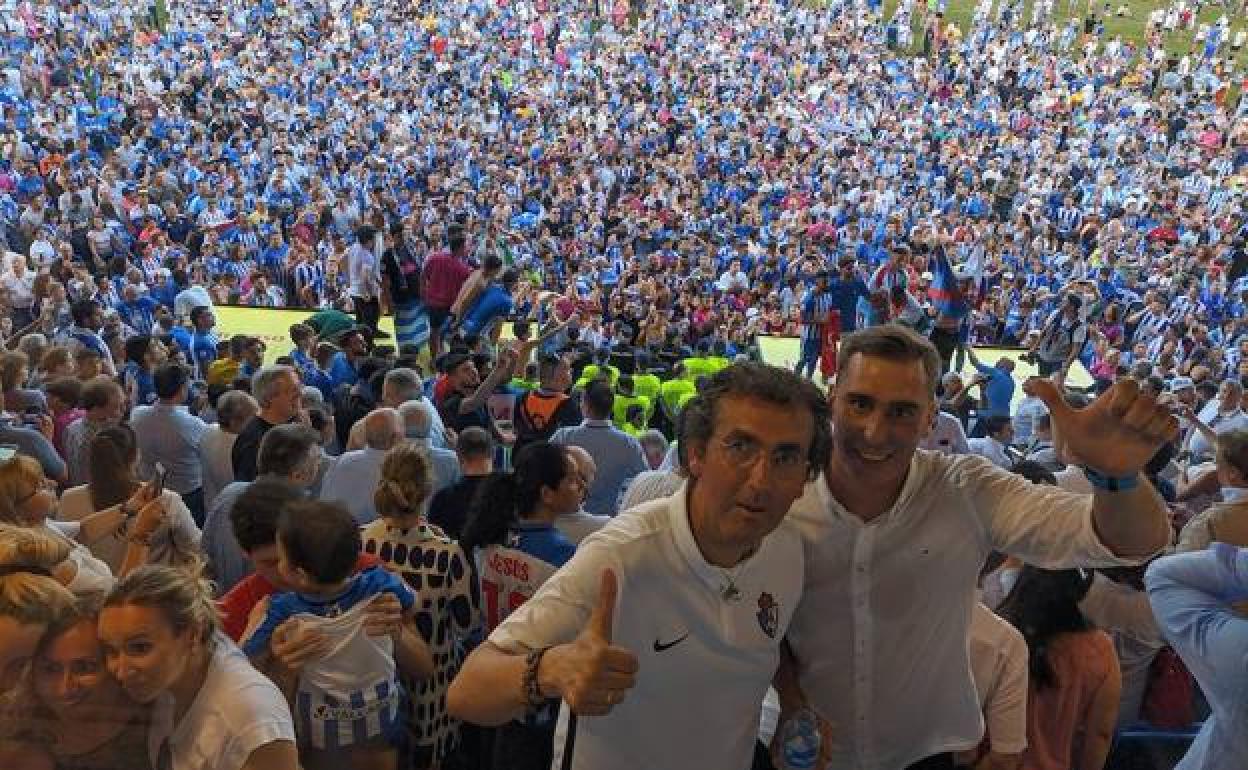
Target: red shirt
{"x": 236, "y": 606}
{"x": 443, "y": 275}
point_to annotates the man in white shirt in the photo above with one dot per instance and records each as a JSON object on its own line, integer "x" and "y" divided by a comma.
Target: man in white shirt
{"x": 734, "y": 279}
{"x": 996, "y": 445}
{"x": 1025, "y": 414}
{"x": 193, "y": 296}
{"x": 679, "y": 598}
{"x": 999, "y": 660}
{"x": 947, "y": 436}
{"x": 895, "y": 538}
{"x": 18, "y": 284}
{"x": 364, "y": 274}
{"x": 1220, "y": 415}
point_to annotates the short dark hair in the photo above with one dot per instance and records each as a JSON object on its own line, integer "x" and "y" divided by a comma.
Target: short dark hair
{"x": 995, "y": 424}
{"x": 599, "y": 399}
{"x": 475, "y": 442}
{"x": 137, "y": 347}
{"x": 82, "y": 310}
{"x": 169, "y": 379}
{"x": 321, "y": 538}
{"x": 895, "y": 342}
{"x": 98, "y": 391}
{"x": 67, "y": 389}
{"x": 547, "y": 365}
{"x": 198, "y": 312}
{"x": 1034, "y": 472}
{"x": 284, "y": 447}
{"x": 754, "y": 380}
{"x": 254, "y": 514}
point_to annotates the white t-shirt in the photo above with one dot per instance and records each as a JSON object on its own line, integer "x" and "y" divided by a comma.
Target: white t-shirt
{"x": 236, "y": 711}
{"x": 947, "y": 436}
{"x": 214, "y": 455}
{"x": 706, "y": 639}
{"x": 174, "y": 542}
{"x": 991, "y": 449}
{"x": 190, "y": 298}
{"x": 92, "y": 575}
{"x": 20, "y": 288}
{"x": 999, "y": 665}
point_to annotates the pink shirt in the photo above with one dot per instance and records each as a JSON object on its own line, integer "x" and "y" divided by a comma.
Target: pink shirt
{"x": 1058, "y": 715}
{"x": 59, "y": 424}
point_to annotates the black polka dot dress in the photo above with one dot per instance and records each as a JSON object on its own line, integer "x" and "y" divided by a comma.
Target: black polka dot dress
{"x": 434, "y": 567}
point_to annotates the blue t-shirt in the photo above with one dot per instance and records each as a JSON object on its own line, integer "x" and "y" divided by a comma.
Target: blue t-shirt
{"x": 845, "y": 296}
{"x": 204, "y": 350}
{"x": 493, "y": 304}
{"x": 145, "y": 384}
{"x": 998, "y": 390}
{"x": 365, "y": 585}
{"x": 341, "y": 372}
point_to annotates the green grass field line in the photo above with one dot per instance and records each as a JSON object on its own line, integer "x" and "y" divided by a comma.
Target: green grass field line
{"x": 1128, "y": 28}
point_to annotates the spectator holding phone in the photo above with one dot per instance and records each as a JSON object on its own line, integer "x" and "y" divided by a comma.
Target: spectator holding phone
{"x": 114, "y": 479}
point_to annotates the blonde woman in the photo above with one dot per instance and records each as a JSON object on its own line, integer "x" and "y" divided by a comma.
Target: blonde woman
{"x": 210, "y": 709}
{"x": 28, "y": 499}
{"x": 30, "y": 602}
{"x": 82, "y": 716}
{"x": 434, "y": 566}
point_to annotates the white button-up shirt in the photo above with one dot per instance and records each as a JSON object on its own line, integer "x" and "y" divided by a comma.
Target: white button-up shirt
{"x": 988, "y": 447}
{"x": 881, "y": 631}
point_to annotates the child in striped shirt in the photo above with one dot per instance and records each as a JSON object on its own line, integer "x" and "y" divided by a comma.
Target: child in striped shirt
{"x": 347, "y": 702}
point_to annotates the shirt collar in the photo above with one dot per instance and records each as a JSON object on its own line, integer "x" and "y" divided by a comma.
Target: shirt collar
{"x": 838, "y": 511}
{"x": 682, "y": 534}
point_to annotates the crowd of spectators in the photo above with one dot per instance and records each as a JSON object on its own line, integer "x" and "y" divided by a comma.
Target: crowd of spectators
{"x": 452, "y": 547}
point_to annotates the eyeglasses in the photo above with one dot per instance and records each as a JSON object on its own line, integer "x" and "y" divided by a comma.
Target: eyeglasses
{"x": 745, "y": 452}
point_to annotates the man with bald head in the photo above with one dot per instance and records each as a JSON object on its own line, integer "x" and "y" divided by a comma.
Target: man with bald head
{"x": 354, "y": 475}
{"x": 418, "y": 426}
{"x": 581, "y": 524}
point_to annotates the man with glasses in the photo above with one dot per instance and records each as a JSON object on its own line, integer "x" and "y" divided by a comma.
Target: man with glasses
{"x": 682, "y": 596}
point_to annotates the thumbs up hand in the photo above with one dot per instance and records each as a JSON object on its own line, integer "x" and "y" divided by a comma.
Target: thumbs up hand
{"x": 591, "y": 674}
{"x": 1116, "y": 435}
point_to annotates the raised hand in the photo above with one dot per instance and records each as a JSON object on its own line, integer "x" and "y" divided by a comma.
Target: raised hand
{"x": 1116, "y": 435}
{"x": 384, "y": 616}
{"x": 591, "y": 674}
{"x": 152, "y": 516}
{"x": 294, "y": 644}
{"x": 142, "y": 496}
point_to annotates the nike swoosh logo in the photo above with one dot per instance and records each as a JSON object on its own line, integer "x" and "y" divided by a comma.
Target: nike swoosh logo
{"x": 660, "y": 647}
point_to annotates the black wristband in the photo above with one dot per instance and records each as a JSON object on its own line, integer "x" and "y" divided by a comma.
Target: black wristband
{"x": 532, "y": 690}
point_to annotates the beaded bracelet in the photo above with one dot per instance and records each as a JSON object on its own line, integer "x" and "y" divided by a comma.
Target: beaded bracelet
{"x": 532, "y": 690}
